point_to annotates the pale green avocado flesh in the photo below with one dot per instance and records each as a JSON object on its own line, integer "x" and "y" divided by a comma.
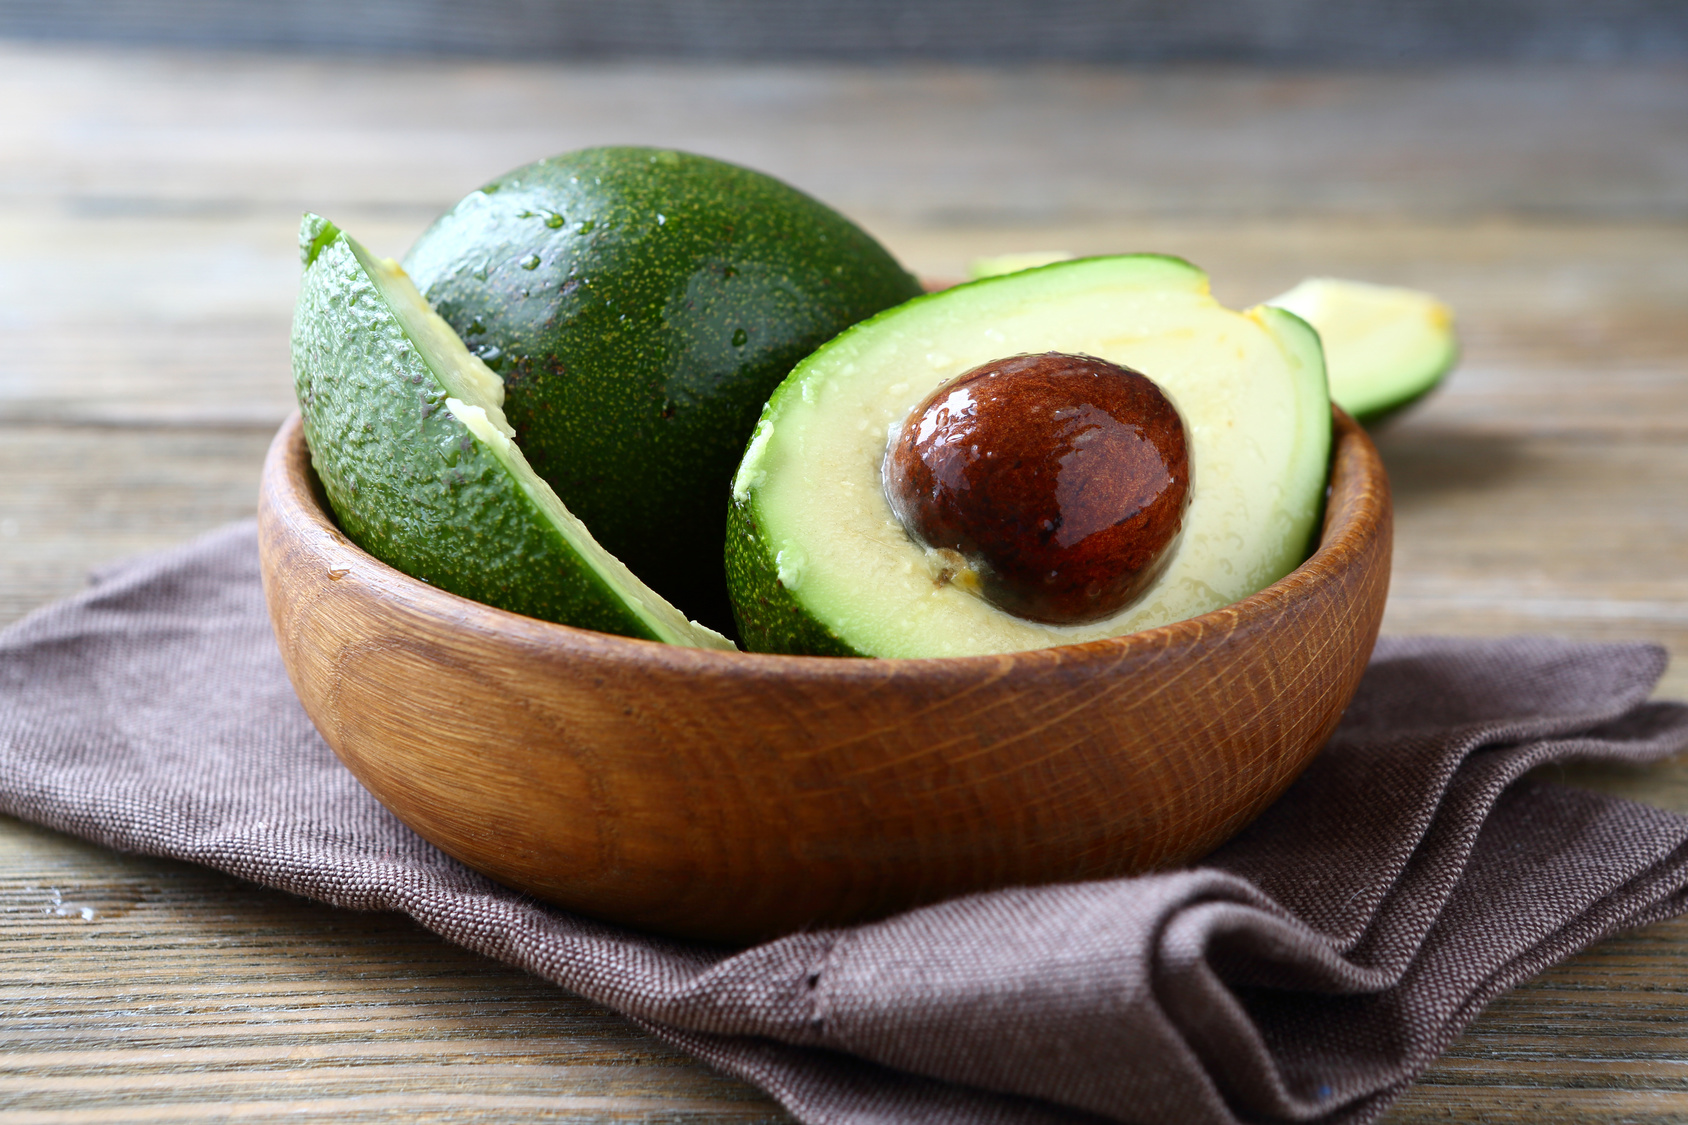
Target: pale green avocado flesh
{"x": 407, "y": 434}
{"x": 999, "y": 264}
{"x": 819, "y": 564}
{"x": 1386, "y": 347}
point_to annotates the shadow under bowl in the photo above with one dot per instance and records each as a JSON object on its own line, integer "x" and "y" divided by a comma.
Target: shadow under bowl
{"x": 735, "y": 796}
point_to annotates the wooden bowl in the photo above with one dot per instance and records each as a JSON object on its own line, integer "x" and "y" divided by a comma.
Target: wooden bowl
{"x": 734, "y": 796}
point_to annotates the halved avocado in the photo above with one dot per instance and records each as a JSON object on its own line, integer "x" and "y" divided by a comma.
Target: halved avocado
{"x": 408, "y": 437}
{"x": 1385, "y": 347}
{"x": 818, "y": 563}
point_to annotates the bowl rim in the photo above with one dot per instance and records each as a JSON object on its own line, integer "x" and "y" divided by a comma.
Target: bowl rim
{"x": 1353, "y": 517}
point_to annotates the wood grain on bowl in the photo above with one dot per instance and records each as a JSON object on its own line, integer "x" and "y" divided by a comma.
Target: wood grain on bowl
{"x": 733, "y": 796}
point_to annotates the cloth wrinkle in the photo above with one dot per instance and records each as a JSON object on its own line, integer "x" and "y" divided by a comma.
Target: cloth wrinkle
{"x": 818, "y": 981}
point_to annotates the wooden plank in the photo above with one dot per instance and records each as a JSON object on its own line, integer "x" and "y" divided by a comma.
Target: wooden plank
{"x": 176, "y": 993}
{"x": 1568, "y": 328}
{"x": 1596, "y": 1039}
{"x": 1499, "y": 534}
{"x": 149, "y": 134}
{"x": 1516, "y": 1103}
{"x": 1012, "y": 31}
{"x": 72, "y": 499}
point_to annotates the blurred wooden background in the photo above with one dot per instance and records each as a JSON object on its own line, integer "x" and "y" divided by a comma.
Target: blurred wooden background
{"x": 1527, "y": 161}
{"x": 1271, "y": 32}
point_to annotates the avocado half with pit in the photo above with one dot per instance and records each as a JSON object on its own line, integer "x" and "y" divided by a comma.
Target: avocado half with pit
{"x": 409, "y": 440}
{"x": 819, "y": 562}
{"x": 640, "y": 305}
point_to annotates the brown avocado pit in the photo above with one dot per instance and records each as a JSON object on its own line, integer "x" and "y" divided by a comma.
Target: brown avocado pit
{"x": 1058, "y": 481}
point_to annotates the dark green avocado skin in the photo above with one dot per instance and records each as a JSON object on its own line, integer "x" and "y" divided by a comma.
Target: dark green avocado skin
{"x": 641, "y": 305}
{"x": 407, "y": 481}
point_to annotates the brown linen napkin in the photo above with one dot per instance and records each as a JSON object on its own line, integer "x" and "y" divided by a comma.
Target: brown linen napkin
{"x": 1306, "y": 971}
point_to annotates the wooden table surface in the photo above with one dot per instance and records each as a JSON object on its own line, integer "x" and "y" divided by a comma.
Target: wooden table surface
{"x": 148, "y": 206}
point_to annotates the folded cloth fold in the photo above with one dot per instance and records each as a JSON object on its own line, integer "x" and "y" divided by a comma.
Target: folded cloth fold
{"x": 1306, "y": 971}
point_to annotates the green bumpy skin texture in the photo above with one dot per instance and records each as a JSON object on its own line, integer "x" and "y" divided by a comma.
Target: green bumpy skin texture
{"x": 407, "y": 481}
{"x": 640, "y": 306}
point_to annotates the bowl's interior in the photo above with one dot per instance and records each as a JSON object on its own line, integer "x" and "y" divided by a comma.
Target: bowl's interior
{"x": 733, "y": 795}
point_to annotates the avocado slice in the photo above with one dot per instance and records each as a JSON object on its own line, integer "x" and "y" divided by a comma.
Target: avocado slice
{"x": 819, "y": 564}
{"x": 1386, "y": 347}
{"x": 999, "y": 264}
{"x": 641, "y": 304}
{"x": 409, "y": 439}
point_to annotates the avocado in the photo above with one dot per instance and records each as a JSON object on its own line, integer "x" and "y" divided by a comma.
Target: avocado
{"x": 818, "y": 561}
{"x": 999, "y": 264}
{"x": 416, "y": 459}
{"x": 640, "y": 305}
{"x": 1386, "y": 347}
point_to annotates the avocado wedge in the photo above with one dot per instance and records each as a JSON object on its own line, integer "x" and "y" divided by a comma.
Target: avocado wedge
{"x": 817, "y": 561}
{"x": 1386, "y": 347}
{"x": 998, "y": 264}
{"x": 408, "y": 436}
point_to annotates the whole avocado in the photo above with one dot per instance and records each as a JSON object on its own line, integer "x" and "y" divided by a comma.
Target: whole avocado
{"x": 640, "y": 305}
